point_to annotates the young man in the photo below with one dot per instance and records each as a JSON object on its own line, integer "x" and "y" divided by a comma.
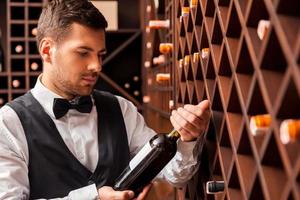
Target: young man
{"x": 65, "y": 140}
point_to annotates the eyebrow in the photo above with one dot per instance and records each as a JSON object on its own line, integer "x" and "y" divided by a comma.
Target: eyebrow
{"x": 101, "y": 52}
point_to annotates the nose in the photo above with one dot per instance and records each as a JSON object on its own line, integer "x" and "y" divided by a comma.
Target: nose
{"x": 95, "y": 65}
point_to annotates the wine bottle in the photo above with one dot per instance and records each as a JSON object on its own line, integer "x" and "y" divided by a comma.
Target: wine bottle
{"x": 290, "y": 131}
{"x": 260, "y": 124}
{"x": 148, "y": 162}
{"x": 213, "y": 187}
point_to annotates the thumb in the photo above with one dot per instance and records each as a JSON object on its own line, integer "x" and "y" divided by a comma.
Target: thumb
{"x": 129, "y": 194}
{"x": 204, "y": 105}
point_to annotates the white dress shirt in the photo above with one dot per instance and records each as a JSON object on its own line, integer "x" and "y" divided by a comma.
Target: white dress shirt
{"x": 79, "y": 132}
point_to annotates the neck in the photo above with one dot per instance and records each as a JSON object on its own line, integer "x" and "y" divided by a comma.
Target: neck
{"x": 46, "y": 81}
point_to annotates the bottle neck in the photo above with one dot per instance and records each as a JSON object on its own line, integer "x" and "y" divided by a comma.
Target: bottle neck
{"x": 174, "y": 135}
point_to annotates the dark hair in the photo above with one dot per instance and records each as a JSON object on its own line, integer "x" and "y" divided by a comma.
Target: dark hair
{"x": 58, "y": 15}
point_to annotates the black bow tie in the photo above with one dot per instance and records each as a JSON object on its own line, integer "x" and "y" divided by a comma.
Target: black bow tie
{"x": 83, "y": 104}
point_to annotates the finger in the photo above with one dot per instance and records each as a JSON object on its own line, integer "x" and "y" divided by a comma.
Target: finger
{"x": 190, "y": 117}
{"x": 144, "y": 193}
{"x": 107, "y": 192}
{"x": 184, "y": 135}
{"x": 184, "y": 123}
{"x": 199, "y": 109}
{"x": 124, "y": 195}
{"x": 204, "y": 105}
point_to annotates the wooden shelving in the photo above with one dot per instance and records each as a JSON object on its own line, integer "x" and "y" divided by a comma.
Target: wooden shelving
{"x": 242, "y": 75}
{"x": 23, "y": 64}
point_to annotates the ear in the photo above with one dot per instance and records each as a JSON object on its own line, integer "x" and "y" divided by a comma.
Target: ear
{"x": 46, "y": 49}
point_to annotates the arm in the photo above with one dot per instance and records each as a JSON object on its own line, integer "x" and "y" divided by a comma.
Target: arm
{"x": 191, "y": 122}
{"x": 185, "y": 163}
{"x": 14, "y": 182}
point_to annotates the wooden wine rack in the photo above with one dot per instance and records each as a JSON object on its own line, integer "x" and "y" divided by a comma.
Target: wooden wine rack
{"x": 242, "y": 76}
{"x": 21, "y": 18}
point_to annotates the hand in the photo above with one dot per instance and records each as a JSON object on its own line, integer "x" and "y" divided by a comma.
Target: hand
{"x": 191, "y": 120}
{"x": 144, "y": 193}
{"x": 108, "y": 193}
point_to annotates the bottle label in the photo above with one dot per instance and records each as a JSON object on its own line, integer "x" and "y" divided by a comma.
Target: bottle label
{"x": 137, "y": 159}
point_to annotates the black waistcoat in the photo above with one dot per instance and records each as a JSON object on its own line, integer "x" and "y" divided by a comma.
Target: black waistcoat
{"x": 53, "y": 170}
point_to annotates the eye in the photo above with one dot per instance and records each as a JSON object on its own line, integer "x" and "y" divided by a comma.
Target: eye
{"x": 83, "y": 53}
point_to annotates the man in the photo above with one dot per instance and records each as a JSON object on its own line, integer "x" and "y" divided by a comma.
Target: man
{"x": 65, "y": 140}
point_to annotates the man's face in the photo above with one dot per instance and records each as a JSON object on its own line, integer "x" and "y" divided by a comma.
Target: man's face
{"x": 77, "y": 61}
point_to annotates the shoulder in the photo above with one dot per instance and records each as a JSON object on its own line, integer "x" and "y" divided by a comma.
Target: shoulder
{"x": 8, "y": 114}
{"x": 125, "y": 104}
{"x": 12, "y": 133}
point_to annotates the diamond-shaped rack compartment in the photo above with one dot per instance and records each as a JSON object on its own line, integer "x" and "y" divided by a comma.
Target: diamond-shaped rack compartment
{"x": 290, "y": 109}
{"x": 217, "y": 112}
{"x": 179, "y": 51}
{"x": 273, "y": 170}
{"x": 198, "y": 16}
{"x": 181, "y": 74}
{"x": 189, "y": 27}
{"x": 188, "y": 71}
{"x": 181, "y": 29}
{"x": 194, "y": 46}
{"x": 233, "y": 32}
{"x": 178, "y": 10}
{"x": 204, "y": 45}
{"x": 234, "y": 114}
{"x": 258, "y": 12}
{"x": 179, "y": 98}
{"x": 209, "y": 7}
{"x": 210, "y": 146}
{"x": 198, "y": 21}
{"x": 209, "y": 13}
{"x": 190, "y": 85}
{"x": 273, "y": 66}
{"x": 194, "y": 98}
{"x": 190, "y": 24}
{"x": 199, "y": 82}
{"x": 257, "y": 107}
{"x": 246, "y": 161}
{"x": 244, "y": 71}
{"x": 216, "y": 40}
{"x": 234, "y": 187}
{"x": 243, "y": 5}
{"x": 226, "y": 150}
{"x": 186, "y": 99}
{"x": 224, "y": 8}
{"x": 210, "y": 77}
{"x": 217, "y": 172}
{"x": 224, "y": 75}
{"x": 257, "y": 191}
{"x": 289, "y": 17}
{"x": 217, "y": 176}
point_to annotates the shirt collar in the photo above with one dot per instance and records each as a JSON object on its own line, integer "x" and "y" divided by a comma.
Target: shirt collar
{"x": 44, "y": 96}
